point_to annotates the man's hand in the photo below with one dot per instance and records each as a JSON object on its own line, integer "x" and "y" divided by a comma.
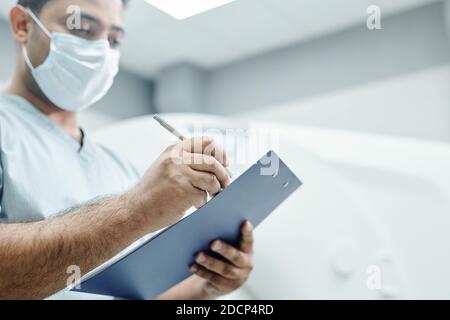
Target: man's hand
{"x": 219, "y": 277}
{"x": 181, "y": 178}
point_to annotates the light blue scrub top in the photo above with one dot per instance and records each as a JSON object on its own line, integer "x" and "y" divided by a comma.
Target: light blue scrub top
{"x": 44, "y": 172}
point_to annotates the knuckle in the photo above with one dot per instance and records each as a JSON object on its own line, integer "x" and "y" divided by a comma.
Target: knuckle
{"x": 207, "y": 262}
{"x": 201, "y": 272}
{"x": 226, "y": 251}
{"x": 208, "y": 161}
{"x": 213, "y": 148}
{"x": 229, "y": 270}
{"x": 169, "y": 149}
{"x": 213, "y": 277}
{"x": 209, "y": 147}
{"x": 239, "y": 257}
{"x": 172, "y": 150}
{"x": 208, "y": 139}
{"x": 200, "y": 198}
{"x": 168, "y": 161}
{"x": 219, "y": 153}
{"x": 213, "y": 183}
{"x": 217, "y": 168}
{"x": 175, "y": 178}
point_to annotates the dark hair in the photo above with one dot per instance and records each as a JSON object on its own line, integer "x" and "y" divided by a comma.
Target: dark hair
{"x": 37, "y": 5}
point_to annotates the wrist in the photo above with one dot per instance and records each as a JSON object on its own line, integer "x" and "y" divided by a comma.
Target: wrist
{"x": 141, "y": 211}
{"x": 133, "y": 213}
{"x": 206, "y": 291}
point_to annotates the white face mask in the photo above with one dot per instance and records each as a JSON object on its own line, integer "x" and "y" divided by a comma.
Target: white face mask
{"x": 77, "y": 72}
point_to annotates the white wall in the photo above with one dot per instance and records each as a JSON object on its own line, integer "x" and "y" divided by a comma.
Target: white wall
{"x": 180, "y": 88}
{"x": 129, "y": 97}
{"x": 415, "y": 105}
{"x": 408, "y": 42}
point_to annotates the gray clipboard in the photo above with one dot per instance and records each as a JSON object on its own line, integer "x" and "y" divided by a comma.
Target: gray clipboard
{"x": 164, "y": 261}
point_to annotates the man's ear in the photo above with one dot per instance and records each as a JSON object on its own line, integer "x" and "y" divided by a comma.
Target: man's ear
{"x": 21, "y": 24}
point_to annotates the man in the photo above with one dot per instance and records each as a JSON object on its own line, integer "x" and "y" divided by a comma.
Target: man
{"x": 49, "y": 165}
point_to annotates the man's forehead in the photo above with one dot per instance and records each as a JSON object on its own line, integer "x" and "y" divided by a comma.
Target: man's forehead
{"x": 106, "y": 12}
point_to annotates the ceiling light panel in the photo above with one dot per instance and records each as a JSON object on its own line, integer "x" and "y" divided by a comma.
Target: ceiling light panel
{"x": 182, "y": 9}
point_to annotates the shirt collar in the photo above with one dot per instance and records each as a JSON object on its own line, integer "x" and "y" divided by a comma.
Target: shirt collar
{"x": 26, "y": 105}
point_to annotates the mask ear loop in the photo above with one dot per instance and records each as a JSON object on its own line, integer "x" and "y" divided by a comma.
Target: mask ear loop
{"x": 43, "y": 28}
{"x": 26, "y": 58}
{"x": 39, "y": 23}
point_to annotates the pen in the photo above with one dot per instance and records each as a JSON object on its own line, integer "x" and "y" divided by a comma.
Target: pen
{"x": 177, "y": 134}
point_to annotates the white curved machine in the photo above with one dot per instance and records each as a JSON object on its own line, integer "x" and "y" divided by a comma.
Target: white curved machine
{"x": 372, "y": 220}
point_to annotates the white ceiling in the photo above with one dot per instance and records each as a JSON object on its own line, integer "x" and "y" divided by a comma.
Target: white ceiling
{"x": 238, "y": 30}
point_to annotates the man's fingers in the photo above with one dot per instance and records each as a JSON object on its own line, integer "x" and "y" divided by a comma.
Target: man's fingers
{"x": 205, "y": 181}
{"x": 215, "y": 279}
{"x": 222, "y": 268}
{"x": 213, "y": 149}
{"x": 205, "y": 163}
{"x": 247, "y": 238}
{"x": 232, "y": 254}
{"x": 196, "y": 144}
{"x": 206, "y": 146}
{"x": 199, "y": 197}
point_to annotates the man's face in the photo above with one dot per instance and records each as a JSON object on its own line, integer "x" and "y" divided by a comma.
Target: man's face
{"x": 99, "y": 20}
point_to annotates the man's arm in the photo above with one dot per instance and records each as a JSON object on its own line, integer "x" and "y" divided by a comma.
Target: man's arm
{"x": 34, "y": 257}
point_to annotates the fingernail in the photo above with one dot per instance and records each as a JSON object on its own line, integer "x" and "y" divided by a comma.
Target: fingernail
{"x": 217, "y": 246}
{"x": 194, "y": 269}
{"x": 201, "y": 258}
{"x": 249, "y": 226}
